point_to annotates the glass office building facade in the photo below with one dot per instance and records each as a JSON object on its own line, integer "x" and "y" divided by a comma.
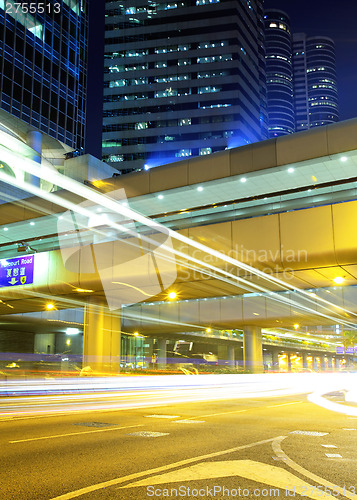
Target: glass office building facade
{"x": 182, "y": 79}
{"x": 43, "y": 59}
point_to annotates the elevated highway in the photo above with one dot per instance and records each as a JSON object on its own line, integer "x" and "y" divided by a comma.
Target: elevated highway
{"x": 259, "y": 234}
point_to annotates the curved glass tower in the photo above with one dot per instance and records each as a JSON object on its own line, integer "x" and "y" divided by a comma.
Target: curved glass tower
{"x": 279, "y": 71}
{"x": 321, "y": 81}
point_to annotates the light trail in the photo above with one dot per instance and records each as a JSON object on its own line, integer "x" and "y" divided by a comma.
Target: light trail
{"x": 120, "y": 393}
{"x": 53, "y": 176}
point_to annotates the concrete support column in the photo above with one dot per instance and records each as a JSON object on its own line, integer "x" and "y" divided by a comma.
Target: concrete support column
{"x": 253, "y": 349}
{"x": 34, "y": 140}
{"x": 148, "y": 350}
{"x": 305, "y": 364}
{"x": 275, "y": 361}
{"x": 45, "y": 343}
{"x": 162, "y": 359}
{"x": 222, "y": 353}
{"x": 314, "y": 363}
{"x": 330, "y": 364}
{"x": 231, "y": 357}
{"x": 289, "y": 354}
{"x": 101, "y": 343}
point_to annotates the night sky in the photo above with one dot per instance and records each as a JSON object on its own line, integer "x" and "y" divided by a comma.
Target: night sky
{"x": 334, "y": 18}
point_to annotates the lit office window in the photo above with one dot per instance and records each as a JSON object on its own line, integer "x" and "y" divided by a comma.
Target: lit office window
{"x": 161, "y": 64}
{"x": 115, "y": 158}
{"x": 117, "y": 83}
{"x": 209, "y": 45}
{"x": 138, "y": 81}
{"x": 166, "y": 93}
{"x": 205, "y": 2}
{"x": 110, "y": 144}
{"x": 183, "y": 62}
{"x": 208, "y": 89}
{"x": 205, "y": 151}
{"x": 141, "y": 125}
{"x": 183, "y": 152}
{"x": 184, "y": 121}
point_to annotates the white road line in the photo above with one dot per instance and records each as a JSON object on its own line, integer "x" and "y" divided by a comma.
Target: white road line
{"x": 74, "y": 434}
{"x": 333, "y": 455}
{"x": 188, "y": 421}
{"x": 217, "y": 414}
{"x": 279, "y": 452}
{"x": 285, "y": 404}
{"x": 119, "y": 480}
{"x": 329, "y": 446}
{"x": 162, "y": 416}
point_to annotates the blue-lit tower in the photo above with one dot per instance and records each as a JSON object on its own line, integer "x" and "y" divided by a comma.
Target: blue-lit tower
{"x": 321, "y": 81}
{"x": 279, "y": 73}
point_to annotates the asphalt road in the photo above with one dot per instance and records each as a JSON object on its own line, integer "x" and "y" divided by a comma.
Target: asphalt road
{"x": 253, "y": 448}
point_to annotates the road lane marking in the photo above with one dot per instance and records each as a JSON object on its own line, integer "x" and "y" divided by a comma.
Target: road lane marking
{"x": 249, "y": 469}
{"x": 148, "y": 434}
{"x": 74, "y": 434}
{"x": 188, "y": 421}
{"x": 162, "y": 416}
{"x": 329, "y": 446}
{"x": 333, "y": 455}
{"x": 285, "y": 404}
{"x": 309, "y": 433}
{"x": 279, "y": 452}
{"x": 217, "y": 414}
{"x": 113, "y": 482}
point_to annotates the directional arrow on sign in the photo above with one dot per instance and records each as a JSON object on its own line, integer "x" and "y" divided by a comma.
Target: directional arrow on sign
{"x": 13, "y": 281}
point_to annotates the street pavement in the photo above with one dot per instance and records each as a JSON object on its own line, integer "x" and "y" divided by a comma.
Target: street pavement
{"x": 278, "y": 447}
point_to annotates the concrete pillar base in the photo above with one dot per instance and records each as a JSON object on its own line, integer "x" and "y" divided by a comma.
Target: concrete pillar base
{"x": 253, "y": 349}
{"x": 162, "y": 359}
{"x": 101, "y": 344}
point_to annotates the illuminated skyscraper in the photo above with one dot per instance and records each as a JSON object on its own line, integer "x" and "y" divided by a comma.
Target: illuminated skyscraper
{"x": 321, "y": 81}
{"x": 182, "y": 78}
{"x": 301, "y": 77}
{"x": 279, "y": 73}
{"x": 43, "y": 61}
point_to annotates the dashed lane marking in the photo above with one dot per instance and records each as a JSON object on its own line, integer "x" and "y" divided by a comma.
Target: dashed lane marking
{"x": 188, "y": 421}
{"x": 73, "y": 434}
{"x": 329, "y": 446}
{"x": 309, "y": 433}
{"x": 162, "y": 416}
{"x": 148, "y": 434}
{"x": 333, "y": 455}
{"x": 285, "y": 404}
